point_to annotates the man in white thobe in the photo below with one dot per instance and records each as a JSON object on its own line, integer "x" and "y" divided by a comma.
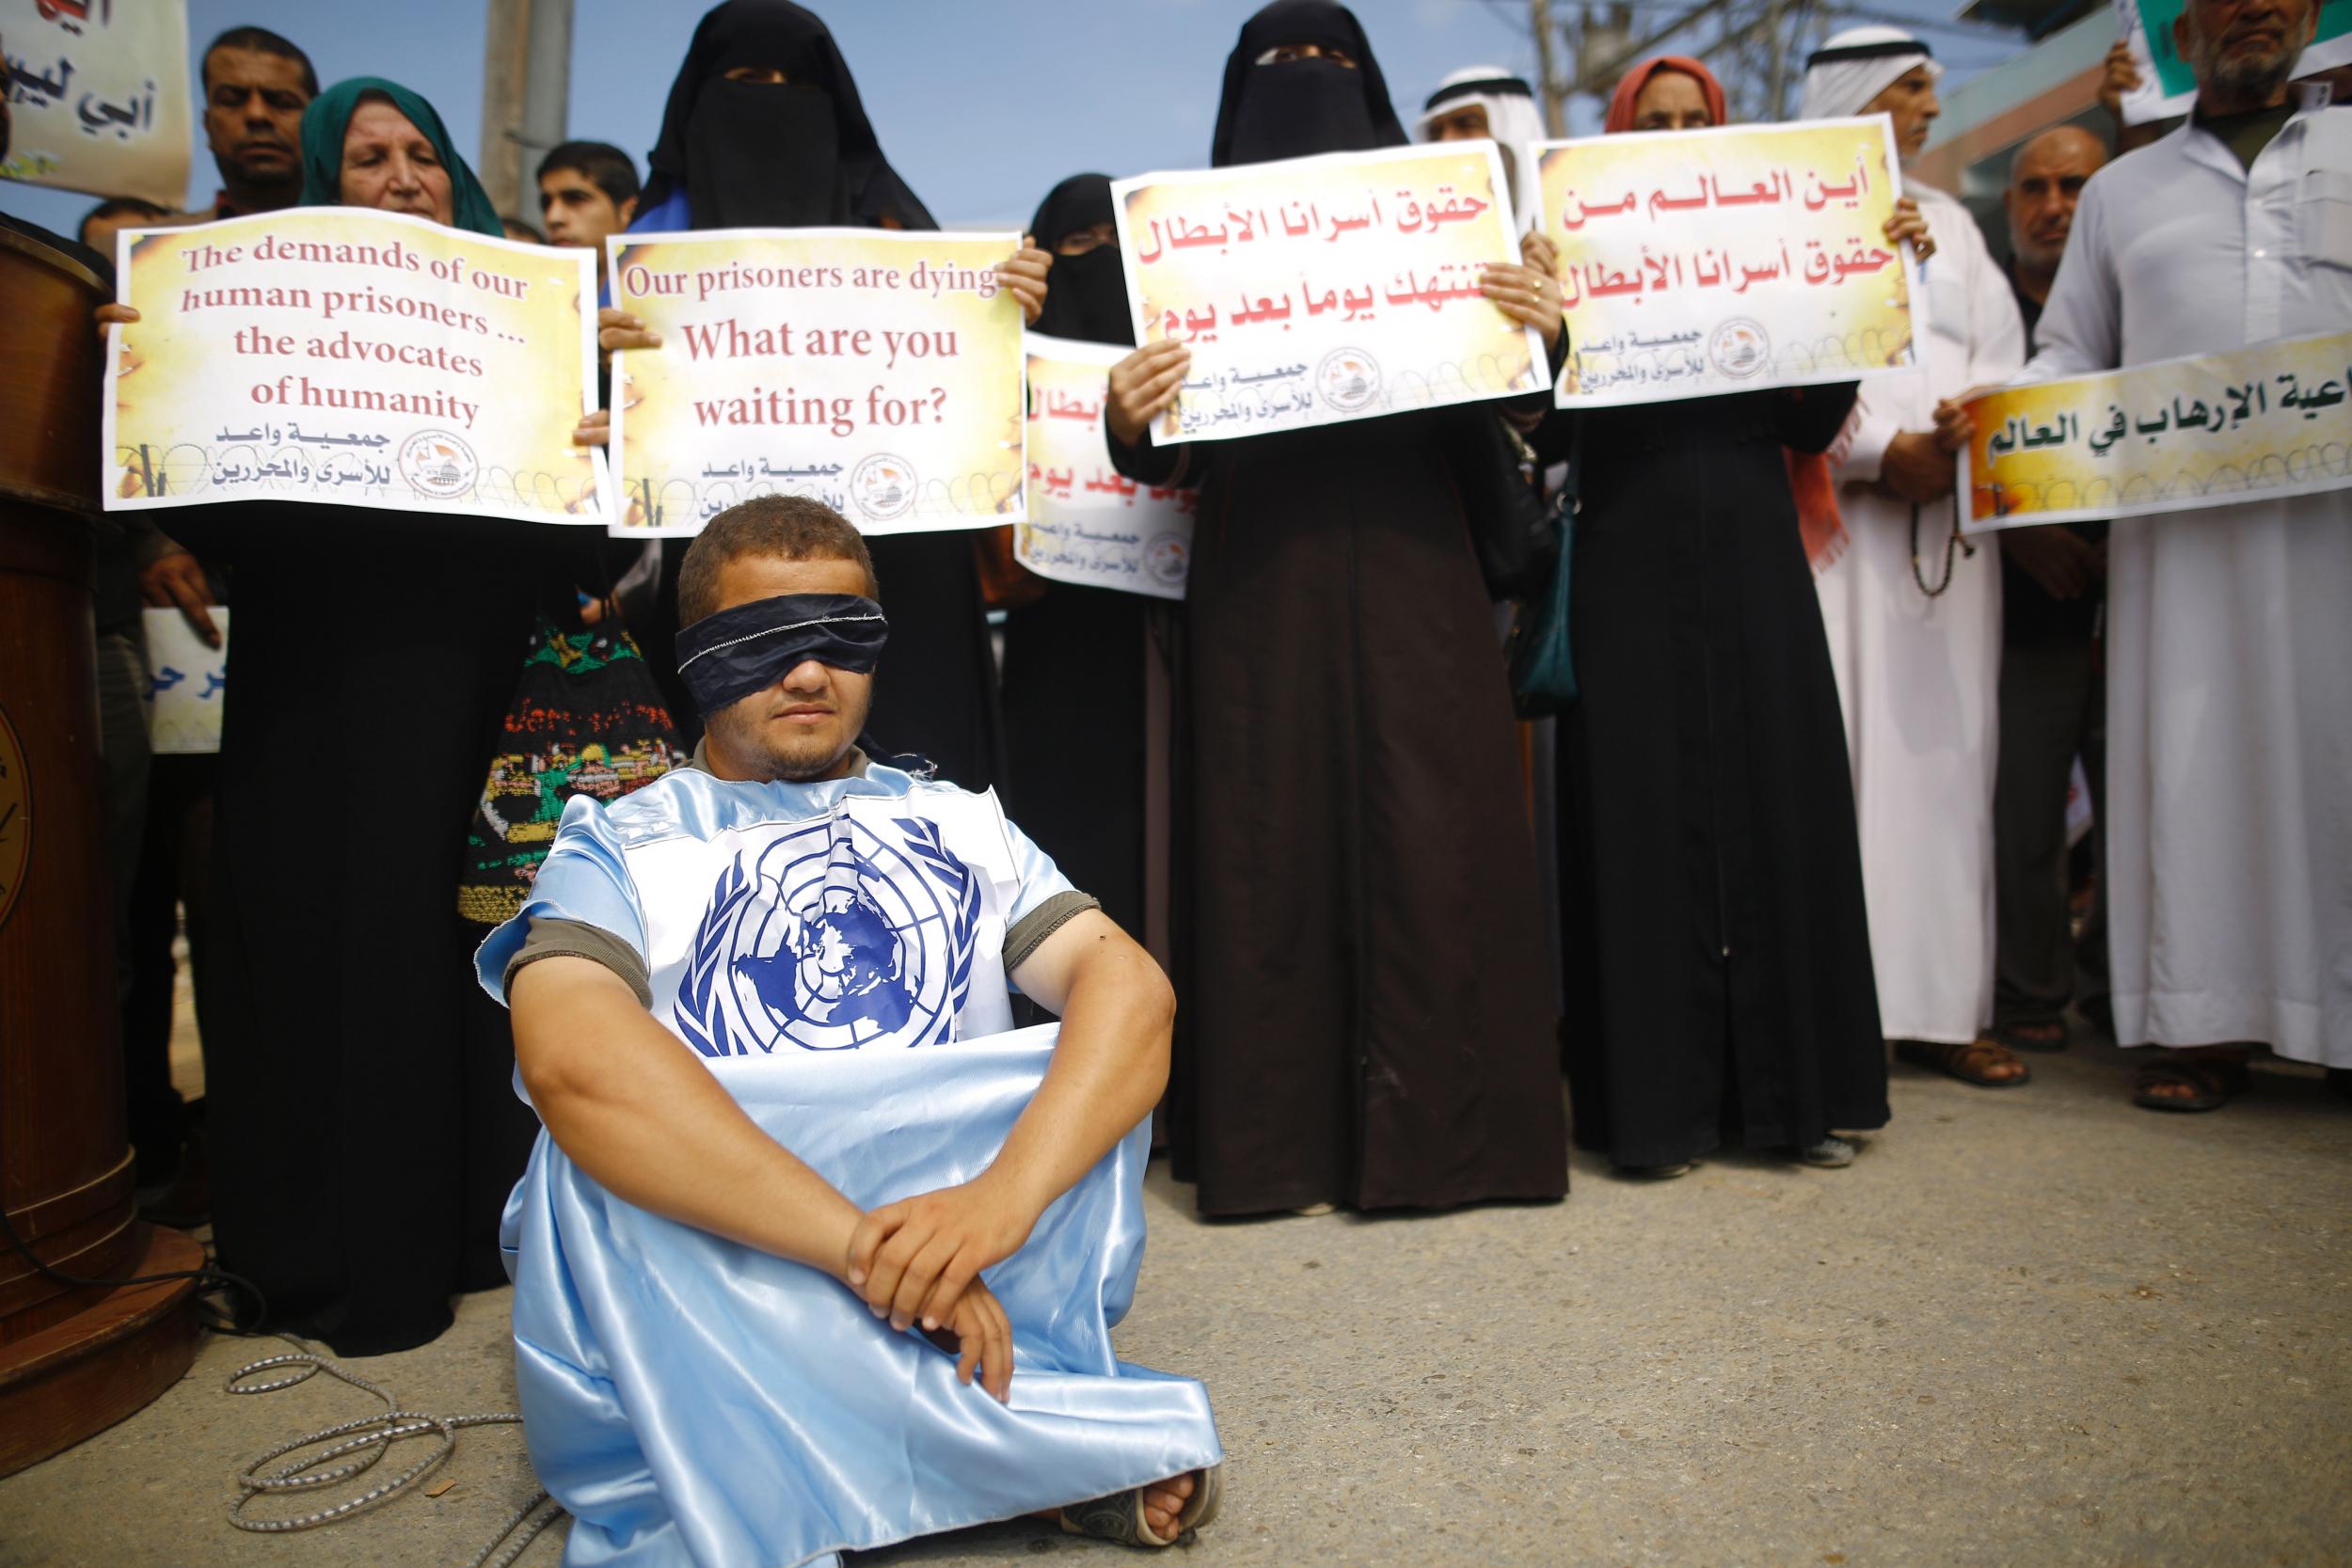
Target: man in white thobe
{"x": 2229, "y": 630}
{"x": 1914, "y": 615}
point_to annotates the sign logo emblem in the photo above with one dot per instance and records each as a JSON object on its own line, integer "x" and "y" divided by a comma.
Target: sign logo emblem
{"x": 1739, "y": 348}
{"x": 436, "y": 464}
{"x": 1167, "y": 559}
{"x": 1349, "y": 379}
{"x": 882, "y": 486}
{"x": 834, "y": 937}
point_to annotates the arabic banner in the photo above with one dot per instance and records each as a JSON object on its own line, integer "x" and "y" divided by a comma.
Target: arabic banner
{"x": 187, "y": 683}
{"x": 353, "y": 357}
{"x": 2262, "y": 423}
{"x": 2168, "y": 87}
{"x": 1318, "y": 289}
{"x": 1087, "y": 523}
{"x": 1696, "y": 262}
{"x": 98, "y": 96}
{"x": 879, "y": 373}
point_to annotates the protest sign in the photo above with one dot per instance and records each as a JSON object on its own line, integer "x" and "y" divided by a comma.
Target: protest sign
{"x": 98, "y": 97}
{"x": 1087, "y": 523}
{"x": 352, "y": 357}
{"x": 1694, "y": 263}
{"x": 187, "y": 682}
{"x": 2167, "y": 85}
{"x": 2262, "y": 423}
{"x": 879, "y": 373}
{"x": 1318, "y": 289}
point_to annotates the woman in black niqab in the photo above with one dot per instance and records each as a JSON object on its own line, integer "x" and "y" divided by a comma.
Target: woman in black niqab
{"x": 1332, "y": 101}
{"x": 753, "y": 150}
{"x": 761, "y": 154}
{"x": 1089, "y": 300}
{"x": 1367, "y": 1010}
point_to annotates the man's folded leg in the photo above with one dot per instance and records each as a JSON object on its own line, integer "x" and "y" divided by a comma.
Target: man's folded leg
{"x": 693, "y": 1400}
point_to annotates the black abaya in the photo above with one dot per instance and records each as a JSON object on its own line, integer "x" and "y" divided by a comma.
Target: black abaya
{"x": 1366, "y": 1006}
{"x": 1718, "y": 961}
{"x": 362, "y": 1124}
{"x": 1365, "y": 1009}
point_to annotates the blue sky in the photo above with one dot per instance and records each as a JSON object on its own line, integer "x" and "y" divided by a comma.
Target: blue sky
{"x": 982, "y": 108}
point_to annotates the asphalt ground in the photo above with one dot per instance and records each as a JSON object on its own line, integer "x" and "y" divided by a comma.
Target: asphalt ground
{"x": 2031, "y": 1325}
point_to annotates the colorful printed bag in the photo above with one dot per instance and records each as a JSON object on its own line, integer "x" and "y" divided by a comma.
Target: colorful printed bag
{"x": 586, "y": 720}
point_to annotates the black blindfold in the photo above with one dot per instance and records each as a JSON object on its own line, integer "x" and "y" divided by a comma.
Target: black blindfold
{"x": 727, "y": 656}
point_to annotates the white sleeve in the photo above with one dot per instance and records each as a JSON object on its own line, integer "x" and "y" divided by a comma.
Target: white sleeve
{"x": 1997, "y": 332}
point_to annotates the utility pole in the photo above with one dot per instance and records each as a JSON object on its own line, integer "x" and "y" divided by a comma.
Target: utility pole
{"x": 526, "y": 96}
{"x": 1776, "y": 41}
{"x": 1554, "y": 90}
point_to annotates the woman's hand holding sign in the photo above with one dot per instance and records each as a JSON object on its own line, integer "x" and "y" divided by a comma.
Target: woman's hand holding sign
{"x": 1142, "y": 387}
{"x": 1528, "y": 294}
{"x": 1025, "y": 276}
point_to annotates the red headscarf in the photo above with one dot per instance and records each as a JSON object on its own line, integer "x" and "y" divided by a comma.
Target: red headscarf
{"x": 1621, "y": 101}
{"x": 1810, "y": 481}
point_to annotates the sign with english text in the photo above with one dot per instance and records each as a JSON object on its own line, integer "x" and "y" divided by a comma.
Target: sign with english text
{"x": 879, "y": 373}
{"x": 345, "y": 355}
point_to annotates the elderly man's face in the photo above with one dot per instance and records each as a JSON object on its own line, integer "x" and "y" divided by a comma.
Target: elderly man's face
{"x": 1909, "y": 101}
{"x": 2244, "y": 48}
{"x": 1467, "y": 123}
{"x": 2044, "y": 188}
{"x": 253, "y": 104}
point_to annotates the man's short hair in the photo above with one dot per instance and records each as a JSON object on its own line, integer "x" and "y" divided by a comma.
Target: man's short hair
{"x": 606, "y": 166}
{"x": 135, "y": 207}
{"x": 262, "y": 41}
{"x": 793, "y": 528}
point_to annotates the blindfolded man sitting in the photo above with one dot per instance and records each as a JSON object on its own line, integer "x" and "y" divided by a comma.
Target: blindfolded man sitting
{"x": 799, "y": 1185}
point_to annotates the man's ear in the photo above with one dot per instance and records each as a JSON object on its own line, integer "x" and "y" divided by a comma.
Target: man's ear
{"x": 628, "y": 212}
{"x": 2182, "y": 30}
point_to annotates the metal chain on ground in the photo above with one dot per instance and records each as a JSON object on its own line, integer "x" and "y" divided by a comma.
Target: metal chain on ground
{"x": 371, "y": 1436}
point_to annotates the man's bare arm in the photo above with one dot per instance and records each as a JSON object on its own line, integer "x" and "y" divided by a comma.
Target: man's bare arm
{"x": 632, "y": 1107}
{"x": 916, "y": 1256}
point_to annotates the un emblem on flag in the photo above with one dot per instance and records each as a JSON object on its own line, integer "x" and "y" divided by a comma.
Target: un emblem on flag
{"x": 832, "y": 937}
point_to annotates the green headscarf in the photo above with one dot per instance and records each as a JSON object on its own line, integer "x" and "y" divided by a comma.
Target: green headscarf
{"x": 329, "y": 117}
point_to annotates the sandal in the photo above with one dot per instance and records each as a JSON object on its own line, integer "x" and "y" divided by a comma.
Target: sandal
{"x": 1658, "y": 1173}
{"x": 1120, "y": 1517}
{"x": 2014, "y": 1035}
{"x": 2214, "y": 1082}
{"x": 1966, "y": 1062}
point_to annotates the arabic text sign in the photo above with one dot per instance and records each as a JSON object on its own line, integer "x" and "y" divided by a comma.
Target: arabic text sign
{"x": 98, "y": 96}
{"x": 2259, "y": 424}
{"x": 1087, "y": 523}
{"x": 878, "y": 372}
{"x": 2167, "y": 85}
{"x": 366, "y": 359}
{"x": 1694, "y": 263}
{"x": 1318, "y": 289}
{"x": 187, "y": 683}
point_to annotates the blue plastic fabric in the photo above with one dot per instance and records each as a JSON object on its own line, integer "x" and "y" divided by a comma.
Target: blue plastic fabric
{"x": 693, "y": 1400}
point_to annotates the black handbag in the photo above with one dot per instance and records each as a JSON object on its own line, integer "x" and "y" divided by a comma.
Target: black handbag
{"x": 1515, "y": 534}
